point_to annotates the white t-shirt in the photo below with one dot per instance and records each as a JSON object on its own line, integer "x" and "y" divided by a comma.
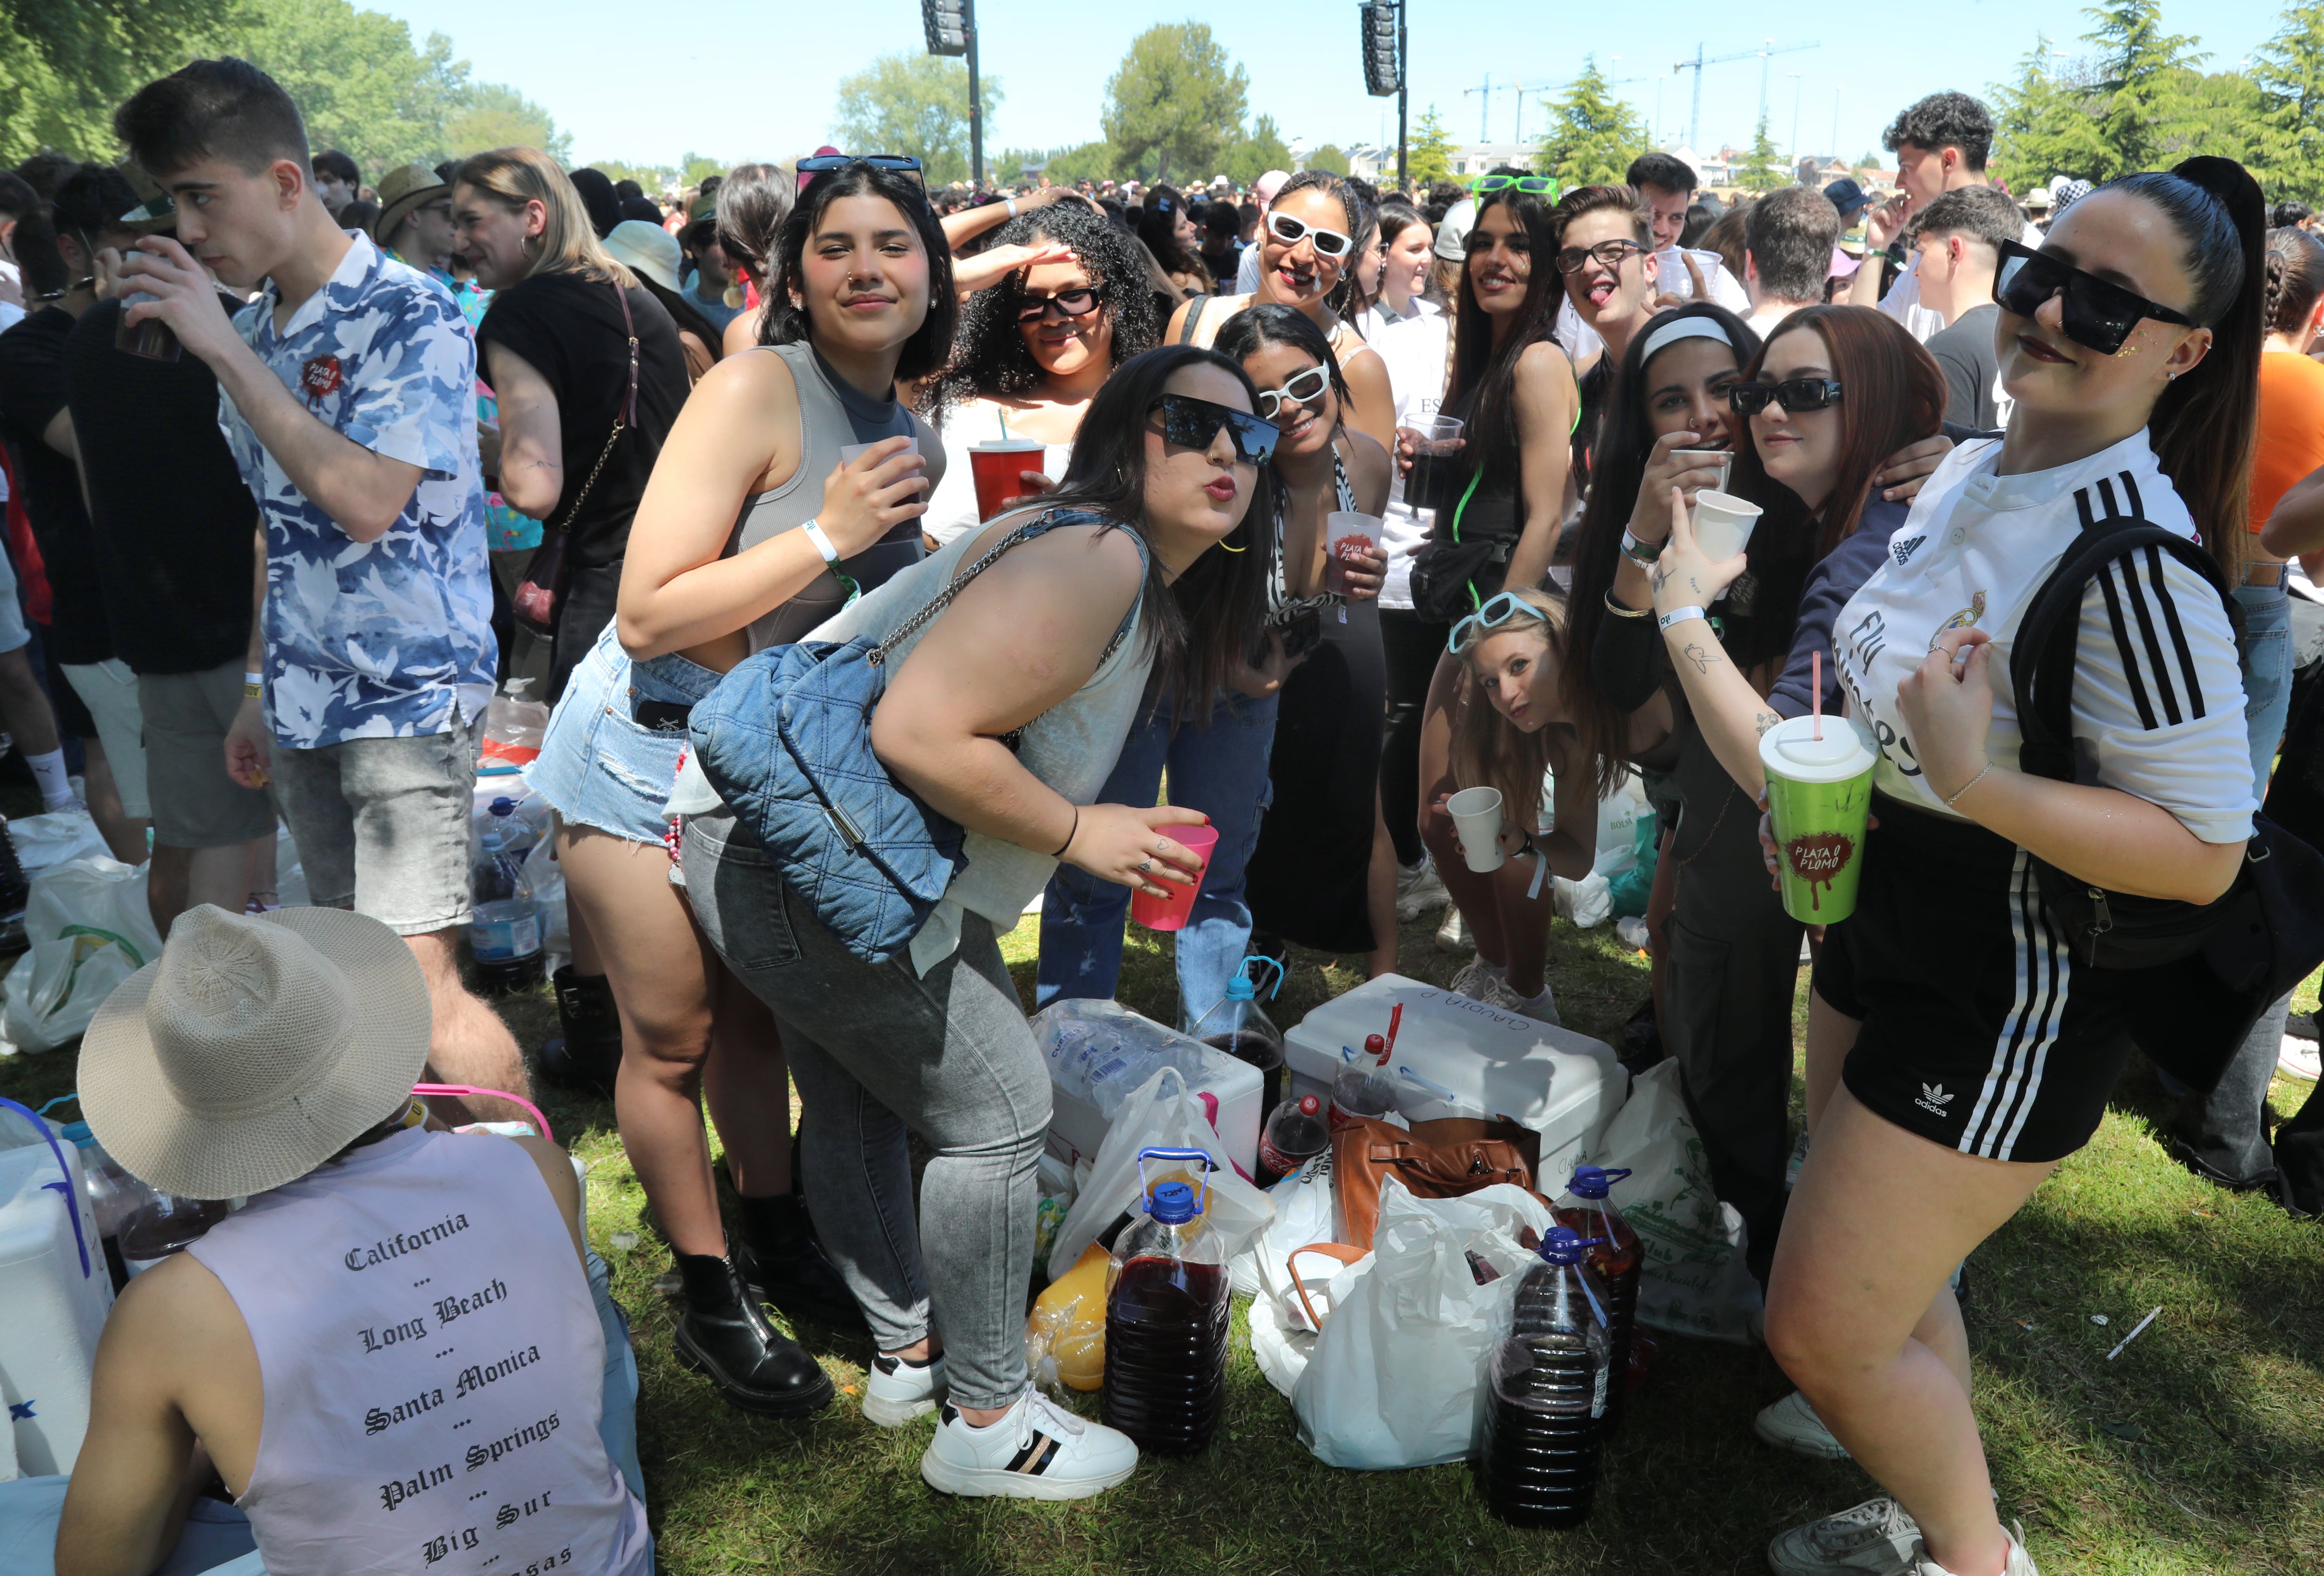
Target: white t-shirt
{"x": 1581, "y": 341}
{"x": 2158, "y": 703}
{"x": 1903, "y": 302}
{"x": 952, "y": 509}
{"x": 1414, "y": 349}
{"x": 1246, "y": 271}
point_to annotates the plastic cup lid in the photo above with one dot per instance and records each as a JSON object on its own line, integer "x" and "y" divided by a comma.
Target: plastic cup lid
{"x": 1792, "y": 749}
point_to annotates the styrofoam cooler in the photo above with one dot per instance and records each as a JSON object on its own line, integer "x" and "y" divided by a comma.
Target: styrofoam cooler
{"x": 53, "y": 1301}
{"x": 1098, "y": 1052}
{"x": 1564, "y": 1086}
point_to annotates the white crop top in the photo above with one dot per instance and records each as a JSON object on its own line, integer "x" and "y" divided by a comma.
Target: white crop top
{"x": 2158, "y": 704}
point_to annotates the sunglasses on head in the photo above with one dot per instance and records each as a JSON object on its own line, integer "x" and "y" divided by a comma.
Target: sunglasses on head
{"x": 1192, "y": 423}
{"x": 2096, "y": 312}
{"x": 1078, "y": 302}
{"x": 816, "y": 164}
{"x": 1541, "y": 185}
{"x": 1291, "y": 232}
{"x": 1793, "y": 394}
{"x": 1611, "y": 253}
{"x": 1502, "y": 608}
{"x": 1298, "y": 388}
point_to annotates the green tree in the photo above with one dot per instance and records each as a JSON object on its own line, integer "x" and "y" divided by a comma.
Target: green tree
{"x": 913, "y": 104}
{"x": 1429, "y": 155}
{"x": 1087, "y": 162}
{"x": 1178, "y": 96}
{"x": 1329, "y": 157}
{"x": 64, "y": 66}
{"x": 694, "y": 169}
{"x": 1262, "y": 150}
{"x": 2043, "y": 123}
{"x": 493, "y": 114}
{"x": 1593, "y": 133}
{"x": 2143, "y": 103}
{"x": 2288, "y": 137}
{"x": 653, "y": 177}
{"x": 1764, "y": 169}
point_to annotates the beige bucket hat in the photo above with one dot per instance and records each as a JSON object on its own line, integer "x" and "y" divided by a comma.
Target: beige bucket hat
{"x": 400, "y": 190}
{"x": 254, "y": 1049}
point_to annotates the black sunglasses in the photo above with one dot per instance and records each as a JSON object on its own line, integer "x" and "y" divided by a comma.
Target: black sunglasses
{"x": 1077, "y": 302}
{"x": 816, "y": 164}
{"x": 1192, "y": 423}
{"x": 2096, "y": 313}
{"x": 1612, "y": 254}
{"x": 1793, "y": 394}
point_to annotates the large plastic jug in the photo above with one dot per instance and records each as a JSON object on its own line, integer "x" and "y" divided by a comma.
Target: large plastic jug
{"x": 504, "y": 925}
{"x": 1544, "y": 1421}
{"x": 1240, "y": 1027}
{"x": 1165, "y": 1319}
{"x": 1616, "y": 1260}
{"x": 513, "y": 728}
{"x": 55, "y": 1293}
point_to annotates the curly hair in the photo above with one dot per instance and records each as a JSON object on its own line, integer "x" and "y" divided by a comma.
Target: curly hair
{"x": 989, "y": 359}
{"x": 1944, "y": 120}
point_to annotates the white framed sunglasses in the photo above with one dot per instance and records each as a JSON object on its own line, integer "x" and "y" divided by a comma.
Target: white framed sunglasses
{"x": 1291, "y": 232}
{"x": 1299, "y": 389}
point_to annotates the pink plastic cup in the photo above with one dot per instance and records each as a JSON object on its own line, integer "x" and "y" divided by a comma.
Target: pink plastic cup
{"x": 1172, "y": 912}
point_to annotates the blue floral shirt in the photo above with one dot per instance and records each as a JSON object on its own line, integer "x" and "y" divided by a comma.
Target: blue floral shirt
{"x": 391, "y": 638}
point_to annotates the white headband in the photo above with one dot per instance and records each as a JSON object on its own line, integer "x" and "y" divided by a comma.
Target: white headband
{"x": 1694, "y": 328}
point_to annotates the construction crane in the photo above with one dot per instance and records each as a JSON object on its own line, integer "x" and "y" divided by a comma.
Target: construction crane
{"x": 1694, "y": 121}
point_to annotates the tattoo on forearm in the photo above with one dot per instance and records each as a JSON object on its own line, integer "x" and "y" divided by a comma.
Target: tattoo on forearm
{"x": 1658, "y": 579}
{"x": 1766, "y": 720}
{"x": 1701, "y": 658}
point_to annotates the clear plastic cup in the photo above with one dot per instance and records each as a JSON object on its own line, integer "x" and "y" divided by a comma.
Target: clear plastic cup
{"x": 1477, "y": 819}
{"x": 1347, "y": 535}
{"x": 1436, "y": 461}
{"x": 1171, "y": 913}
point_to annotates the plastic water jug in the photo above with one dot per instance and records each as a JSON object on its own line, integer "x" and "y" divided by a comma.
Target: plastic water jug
{"x": 1544, "y": 1421}
{"x": 513, "y": 729}
{"x": 1165, "y": 1319}
{"x": 1237, "y": 1025}
{"x": 1616, "y": 1260}
{"x": 55, "y": 1293}
{"x": 504, "y": 925}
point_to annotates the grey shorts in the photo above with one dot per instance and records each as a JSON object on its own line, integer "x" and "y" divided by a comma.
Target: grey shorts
{"x": 196, "y": 804}
{"x": 382, "y": 825}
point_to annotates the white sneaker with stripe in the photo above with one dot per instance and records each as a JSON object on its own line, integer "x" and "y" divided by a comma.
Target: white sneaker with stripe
{"x": 896, "y": 1391}
{"x": 1036, "y": 1450}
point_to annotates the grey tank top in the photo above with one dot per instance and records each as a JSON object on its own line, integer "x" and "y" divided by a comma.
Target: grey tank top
{"x": 832, "y": 414}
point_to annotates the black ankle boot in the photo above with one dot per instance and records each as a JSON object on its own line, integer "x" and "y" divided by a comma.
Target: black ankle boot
{"x": 588, "y": 1054}
{"x": 778, "y": 1260}
{"x": 724, "y": 1334}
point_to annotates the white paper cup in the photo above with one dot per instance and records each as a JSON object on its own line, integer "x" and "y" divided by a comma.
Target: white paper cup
{"x": 1477, "y": 820}
{"x": 1722, "y": 523}
{"x": 1703, "y": 459}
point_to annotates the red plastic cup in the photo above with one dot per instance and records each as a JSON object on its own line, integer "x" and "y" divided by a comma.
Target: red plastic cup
{"x": 999, "y": 468}
{"x": 1171, "y": 913}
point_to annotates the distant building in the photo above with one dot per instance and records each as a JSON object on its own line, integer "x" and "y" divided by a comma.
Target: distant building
{"x": 1820, "y": 171}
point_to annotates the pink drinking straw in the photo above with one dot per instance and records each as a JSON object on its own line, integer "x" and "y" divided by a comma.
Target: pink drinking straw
{"x": 1815, "y": 691}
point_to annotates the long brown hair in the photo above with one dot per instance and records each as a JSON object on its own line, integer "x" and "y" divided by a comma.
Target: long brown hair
{"x": 1487, "y": 750}
{"x": 513, "y": 176}
{"x": 1484, "y": 377}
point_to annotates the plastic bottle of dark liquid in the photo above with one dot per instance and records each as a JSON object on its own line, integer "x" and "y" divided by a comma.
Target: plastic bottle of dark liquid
{"x": 1616, "y": 1261}
{"x": 1545, "y": 1420}
{"x": 1166, "y": 1322}
{"x": 1237, "y": 1025}
{"x": 164, "y": 1225}
{"x": 1294, "y": 1135}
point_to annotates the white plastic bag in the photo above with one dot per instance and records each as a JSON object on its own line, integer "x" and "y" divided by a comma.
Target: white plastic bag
{"x": 1303, "y": 1214}
{"x": 88, "y": 929}
{"x": 59, "y": 837}
{"x": 1587, "y": 902}
{"x": 1159, "y": 1113}
{"x": 1393, "y": 1378}
{"x": 1694, "y": 1280}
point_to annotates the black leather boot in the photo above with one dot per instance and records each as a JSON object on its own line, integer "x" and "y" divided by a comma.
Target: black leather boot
{"x": 588, "y": 1054}
{"x": 724, "y": 1334}
{"x": 780, "y": 1264}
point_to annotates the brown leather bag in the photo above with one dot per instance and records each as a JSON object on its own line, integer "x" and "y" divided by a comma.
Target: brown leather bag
{"x": 1449, "y": 1157}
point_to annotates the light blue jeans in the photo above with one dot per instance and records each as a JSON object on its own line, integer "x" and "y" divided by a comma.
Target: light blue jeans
{"x": 1221, "y": 770}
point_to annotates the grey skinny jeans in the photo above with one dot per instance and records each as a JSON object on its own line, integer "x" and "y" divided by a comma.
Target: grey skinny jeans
{"x": 877, "y": 1050}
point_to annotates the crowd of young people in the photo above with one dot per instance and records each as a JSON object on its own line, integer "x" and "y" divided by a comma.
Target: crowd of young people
{"x": 1152, "y": 610}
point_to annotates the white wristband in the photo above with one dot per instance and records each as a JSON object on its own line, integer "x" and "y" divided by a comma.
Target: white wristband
{"x": 814, "y": 533}
{"x": 1677, "y": 615}
{"x": 1012, "y": 208}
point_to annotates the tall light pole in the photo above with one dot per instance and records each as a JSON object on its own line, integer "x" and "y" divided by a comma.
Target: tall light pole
{"x": 1385, "y": 63}
{"x": 951, "y": 29}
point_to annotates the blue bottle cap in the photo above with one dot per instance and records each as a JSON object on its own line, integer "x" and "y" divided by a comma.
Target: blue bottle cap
{"x": 1172, "y": 1203}
{"x": 78, "y": 1135}
{"x": 1240, "y": 988}
{"x": 1564, "y": 1245}
{"x": 503, "y": 805}
{"x": 1590, "y": 1182}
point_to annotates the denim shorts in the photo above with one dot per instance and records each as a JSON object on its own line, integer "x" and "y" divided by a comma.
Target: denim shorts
{"x": 598, "y": 765}
{"x": 382, "y": 825}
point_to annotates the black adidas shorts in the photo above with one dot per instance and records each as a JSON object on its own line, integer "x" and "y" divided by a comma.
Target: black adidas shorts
{"x": 1979, "y": 1032}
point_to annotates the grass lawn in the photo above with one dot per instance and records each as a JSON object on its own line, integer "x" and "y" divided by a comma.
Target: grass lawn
{"x": 2201, "y": 1450}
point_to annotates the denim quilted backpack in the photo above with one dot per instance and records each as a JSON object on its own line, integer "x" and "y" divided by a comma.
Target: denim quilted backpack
{"x": 786, "y": 739}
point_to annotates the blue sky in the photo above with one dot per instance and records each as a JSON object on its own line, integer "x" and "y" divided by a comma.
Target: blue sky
{"x": 748, "y": 80}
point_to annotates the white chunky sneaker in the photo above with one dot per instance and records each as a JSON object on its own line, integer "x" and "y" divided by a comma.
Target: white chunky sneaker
{"x": 2300, "y": 1058}
{"x": 1876, "y": 1538}
{"x": 1452, "y": 936}
{"x": 1476, "y": 980}
{"x": 2021, "y": 1563}
{"x": 1791, "y": 1424}
{"x": 1419, "y": 890}
{"x": 1036, "y": 1450}
{"x": 897, "y": 1390}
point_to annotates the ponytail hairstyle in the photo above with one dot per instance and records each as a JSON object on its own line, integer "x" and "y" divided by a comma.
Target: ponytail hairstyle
{"x": 2295, "y": 278}
{"x": 1487, "y": 750}
{"x": 2206, "y": 423}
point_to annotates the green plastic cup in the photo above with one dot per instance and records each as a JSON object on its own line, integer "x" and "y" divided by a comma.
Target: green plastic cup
{"x": 1819, "y": 793}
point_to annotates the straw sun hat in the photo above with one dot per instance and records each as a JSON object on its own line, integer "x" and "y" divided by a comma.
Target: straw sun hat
{"x": 254, "y": 1049}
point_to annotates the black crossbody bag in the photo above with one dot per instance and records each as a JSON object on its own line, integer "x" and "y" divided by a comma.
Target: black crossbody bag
{"x": 2205, "y": 971}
